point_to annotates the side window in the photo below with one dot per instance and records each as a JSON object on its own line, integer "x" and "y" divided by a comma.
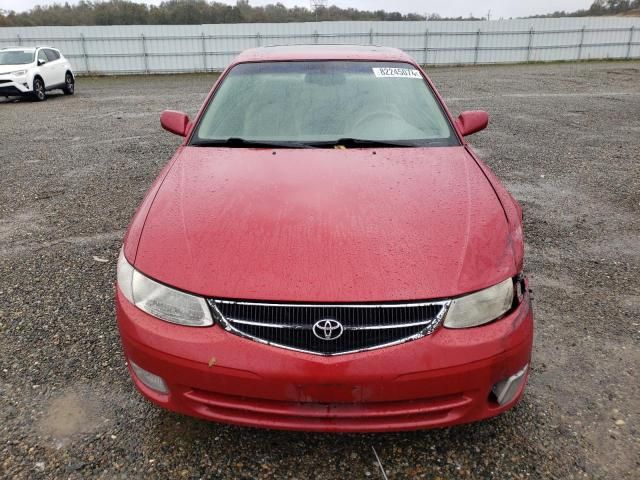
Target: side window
{"x": 42, "y": 57}
{"x": 52, "y": 55}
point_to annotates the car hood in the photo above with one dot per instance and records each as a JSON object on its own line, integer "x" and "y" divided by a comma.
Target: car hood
{"x": 321, "y": 225}
{"x": 12, "y": 68}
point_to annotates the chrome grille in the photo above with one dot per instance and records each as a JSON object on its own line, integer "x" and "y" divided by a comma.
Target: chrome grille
{"x": 362, "y": 326}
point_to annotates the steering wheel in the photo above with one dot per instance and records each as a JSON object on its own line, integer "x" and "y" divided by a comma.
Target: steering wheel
{"x": 385, "y": 115}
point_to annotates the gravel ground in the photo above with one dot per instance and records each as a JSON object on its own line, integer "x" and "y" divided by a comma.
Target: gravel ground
{"x": 566, "y": 140}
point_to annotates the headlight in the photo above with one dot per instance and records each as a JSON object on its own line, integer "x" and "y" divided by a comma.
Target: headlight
{"x": 480, "y": 307}
{"x": 161, "y": 301}
{"x": 19, "y": 73}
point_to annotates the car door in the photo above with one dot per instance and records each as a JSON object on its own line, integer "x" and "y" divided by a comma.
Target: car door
{"x": 47, "y": 70}
{"x": 57, "y": 66}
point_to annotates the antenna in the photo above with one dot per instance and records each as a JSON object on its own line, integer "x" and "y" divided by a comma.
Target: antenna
{"x": 316, "y": 5}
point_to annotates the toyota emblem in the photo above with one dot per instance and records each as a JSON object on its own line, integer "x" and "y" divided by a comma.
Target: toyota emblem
{"x": 328, "y": 329}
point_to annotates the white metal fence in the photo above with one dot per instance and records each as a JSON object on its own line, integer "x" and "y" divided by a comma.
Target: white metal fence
{"x": 192, "y": 48}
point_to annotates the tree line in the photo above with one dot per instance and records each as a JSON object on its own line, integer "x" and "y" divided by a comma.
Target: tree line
{"x": 184, "y": 12}
{"x": 600, "y": 8}
{"x": 190, "y": 12}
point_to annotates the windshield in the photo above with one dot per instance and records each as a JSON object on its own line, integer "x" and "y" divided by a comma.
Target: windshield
{"x": 322, "y": 104}
{"x": 16, "y": 57}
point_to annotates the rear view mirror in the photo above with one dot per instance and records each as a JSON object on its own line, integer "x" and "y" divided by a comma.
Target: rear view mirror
{"x": 472, "y": 121}
{"x": 41, "y": 62}
{"x": 175, "y": 122}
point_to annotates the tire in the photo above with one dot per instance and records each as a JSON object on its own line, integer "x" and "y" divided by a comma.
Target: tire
{"x": 69, "y": 84}
{"x": 39, "y": 92}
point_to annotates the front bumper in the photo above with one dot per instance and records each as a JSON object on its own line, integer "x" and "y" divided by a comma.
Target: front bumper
{"x": 442, "y": 379}
{"x": 14, "y": 86}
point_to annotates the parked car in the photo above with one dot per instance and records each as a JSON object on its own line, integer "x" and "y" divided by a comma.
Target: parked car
{"x": 33, "y": 71}
{"x": 325, "y": 251}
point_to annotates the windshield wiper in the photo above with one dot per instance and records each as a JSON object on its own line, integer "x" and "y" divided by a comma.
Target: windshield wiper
{"x": 347, "y": 142}
{"x": 241, "y": 142}
{"x": 365, "y": 143}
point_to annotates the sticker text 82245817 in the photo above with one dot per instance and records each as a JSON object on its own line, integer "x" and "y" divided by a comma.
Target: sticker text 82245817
{"x": 397, "y": 73}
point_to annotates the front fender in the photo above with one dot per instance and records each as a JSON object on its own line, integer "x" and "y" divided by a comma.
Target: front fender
{"x": 512, "y": 211}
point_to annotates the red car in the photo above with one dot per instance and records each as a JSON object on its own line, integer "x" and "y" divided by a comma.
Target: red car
{"x": 326, "y": 252}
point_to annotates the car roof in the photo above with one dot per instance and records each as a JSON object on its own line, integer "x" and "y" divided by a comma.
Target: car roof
{"x": 20, "y": 49}
{"x": 323, "y": 52}
{"x": 25, "y": 49}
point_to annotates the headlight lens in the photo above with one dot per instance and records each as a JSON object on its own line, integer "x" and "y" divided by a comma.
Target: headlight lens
{"x": 161, "y": 301}
{"x": 125, "y": 277}
{"x": 480, "y": 307}
{"x": 19, "y": 73}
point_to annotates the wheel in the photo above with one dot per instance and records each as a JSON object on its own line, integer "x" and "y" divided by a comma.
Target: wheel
{"x": 39, "y": 92}
{"x": 69, "y": 84}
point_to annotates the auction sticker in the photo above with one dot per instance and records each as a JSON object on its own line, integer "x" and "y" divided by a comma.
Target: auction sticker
{"x": 397, "y": 73}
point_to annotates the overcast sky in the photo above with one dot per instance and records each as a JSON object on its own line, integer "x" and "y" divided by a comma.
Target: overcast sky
{"x": 446, "y": 8}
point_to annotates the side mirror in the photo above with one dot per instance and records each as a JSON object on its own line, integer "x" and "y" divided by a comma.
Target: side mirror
{"x": 41, "y": 62}
{"x": 175, "y": 122}
{"x": 472, "y": 121}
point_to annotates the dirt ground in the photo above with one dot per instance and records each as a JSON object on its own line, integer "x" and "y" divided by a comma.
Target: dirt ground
{"x": 565, "y": 139}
